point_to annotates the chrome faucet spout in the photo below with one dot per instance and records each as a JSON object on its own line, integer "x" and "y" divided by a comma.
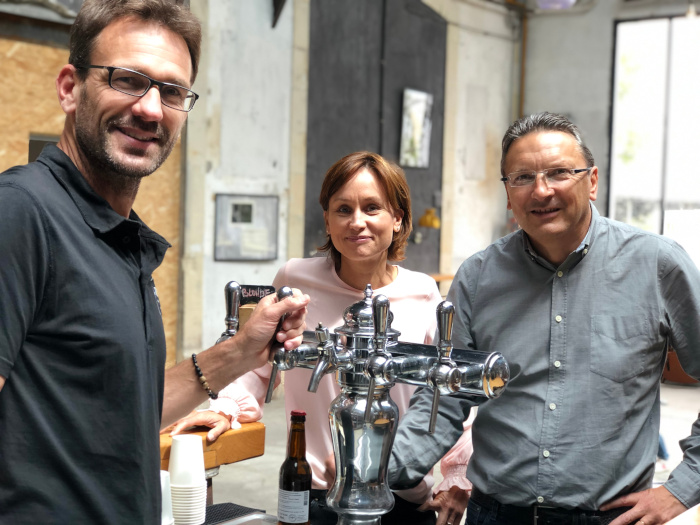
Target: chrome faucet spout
{"x": 323, "y": 367}
{"x": 327, "y": 358}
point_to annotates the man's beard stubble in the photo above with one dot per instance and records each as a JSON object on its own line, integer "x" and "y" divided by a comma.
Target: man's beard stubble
{"x": 103, "y": 162}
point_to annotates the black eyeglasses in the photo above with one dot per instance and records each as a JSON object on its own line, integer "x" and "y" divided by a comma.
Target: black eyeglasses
{"x": 137, "y": 84}
{"x": 552, "y": 176}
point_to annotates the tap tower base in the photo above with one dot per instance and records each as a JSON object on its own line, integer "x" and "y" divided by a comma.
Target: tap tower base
{"x": 351, "y": 519}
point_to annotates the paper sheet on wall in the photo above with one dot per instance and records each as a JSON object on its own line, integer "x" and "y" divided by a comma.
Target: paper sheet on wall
{"x": 254, "y": 241}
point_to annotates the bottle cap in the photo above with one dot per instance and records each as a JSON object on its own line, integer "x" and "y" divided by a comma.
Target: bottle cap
{"x": 298, "y": 413}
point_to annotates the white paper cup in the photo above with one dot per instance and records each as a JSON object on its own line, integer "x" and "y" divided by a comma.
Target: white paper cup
{"x": 166, "y": 514}
{"x": 190, "y": 517}
{"x": 189, "y": 513}
{"x": 181, "y": 493}
{"x": 179, "y": 514}
{"x": 188, "y": 488}
{"x": 186, "y": 499}
{"x": 189, "y": 504}
{"x": 186, "y": 461}
{"x": 180, "y": 501}
{"x": 194, "y": 508}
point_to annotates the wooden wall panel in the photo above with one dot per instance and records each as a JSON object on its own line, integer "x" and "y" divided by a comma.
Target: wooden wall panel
{"x": 158, "y": 205}
{"x": 27, "y": 97}
{"x": 30, "y": 106}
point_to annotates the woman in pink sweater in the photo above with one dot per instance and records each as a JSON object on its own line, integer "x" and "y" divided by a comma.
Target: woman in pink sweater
{"x": 367, "y": 210}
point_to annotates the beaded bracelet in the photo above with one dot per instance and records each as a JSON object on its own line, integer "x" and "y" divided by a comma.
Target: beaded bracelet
{"x": 202, "y": 379}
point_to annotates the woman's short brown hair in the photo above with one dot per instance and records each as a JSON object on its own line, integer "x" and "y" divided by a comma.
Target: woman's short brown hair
{"x": 95, "y": 15}
{"x": 390, "y": 177}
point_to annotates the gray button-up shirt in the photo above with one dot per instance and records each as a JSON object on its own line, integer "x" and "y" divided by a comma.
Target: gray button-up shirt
{"x": 586, "y": 341}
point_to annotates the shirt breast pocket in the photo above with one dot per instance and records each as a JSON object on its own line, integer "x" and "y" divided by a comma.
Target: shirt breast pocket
{"x": 620, "y": 346}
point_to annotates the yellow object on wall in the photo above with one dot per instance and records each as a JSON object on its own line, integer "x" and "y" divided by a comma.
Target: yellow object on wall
{"x": 429, "y": 219}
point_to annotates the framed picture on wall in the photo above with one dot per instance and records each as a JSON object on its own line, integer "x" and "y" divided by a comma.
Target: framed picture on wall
{"x": 416, "y": 124}
{"x": 246, "y": 227}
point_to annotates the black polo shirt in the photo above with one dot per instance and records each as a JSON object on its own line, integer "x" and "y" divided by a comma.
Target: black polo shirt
{"x": 83, "y": 350}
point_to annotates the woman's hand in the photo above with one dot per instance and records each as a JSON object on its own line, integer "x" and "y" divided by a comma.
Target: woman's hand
{"x": 449, "y": 505}
{"x": 218, "y": 422}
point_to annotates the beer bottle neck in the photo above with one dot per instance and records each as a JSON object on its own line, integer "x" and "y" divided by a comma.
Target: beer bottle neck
{"x": 297, "y": 441}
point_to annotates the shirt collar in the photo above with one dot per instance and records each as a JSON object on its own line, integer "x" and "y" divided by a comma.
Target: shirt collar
{"x": 96, "y": 211}
{"x": 575, "y": 256}
{"x": 586, "y": 242}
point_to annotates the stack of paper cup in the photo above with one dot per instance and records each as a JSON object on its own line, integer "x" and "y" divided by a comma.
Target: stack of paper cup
{"x": 166, "y": 515}
{"x": 187, "y": 483}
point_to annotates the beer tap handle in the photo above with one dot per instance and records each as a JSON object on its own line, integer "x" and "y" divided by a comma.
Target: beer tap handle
{"x": 282, "y": 293}
{"x": 445, "y": 316}
{"x": 380, "y": 318}
{"x": 232, "y": 294}
{"x": 271, "y": 384}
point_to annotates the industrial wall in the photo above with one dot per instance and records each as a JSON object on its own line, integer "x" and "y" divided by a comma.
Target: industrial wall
{"x": 248, "y": 136}
{"x": 569, "y": 68}
{"x": 238, "y": 142}
{"x": 483, "y": 42}
{"x": 248, "y": 133}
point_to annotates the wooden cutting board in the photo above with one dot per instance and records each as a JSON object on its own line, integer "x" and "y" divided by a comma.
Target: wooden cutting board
{"x": 232, "y": 446}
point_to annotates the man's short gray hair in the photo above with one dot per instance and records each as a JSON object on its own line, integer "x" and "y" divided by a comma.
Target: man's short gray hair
{"x": 543, "y": 122}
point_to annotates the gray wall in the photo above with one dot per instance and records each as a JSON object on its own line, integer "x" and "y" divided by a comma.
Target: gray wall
{"x": 60, "y": 11}
{"x": 238, "y": 142}
{"x": 345, "y": 51}
{"x": 569, "y": 69}
{"x": 415, "y": 47}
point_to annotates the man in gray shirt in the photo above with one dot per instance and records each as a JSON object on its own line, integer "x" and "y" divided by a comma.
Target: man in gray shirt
{"x": 584, "y": 309}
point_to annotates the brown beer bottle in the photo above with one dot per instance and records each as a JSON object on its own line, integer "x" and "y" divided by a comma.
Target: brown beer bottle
{"x": 295, "y": 476}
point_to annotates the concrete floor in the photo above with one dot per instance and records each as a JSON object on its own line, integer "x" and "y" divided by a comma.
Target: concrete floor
{"x": 253, "y": 483}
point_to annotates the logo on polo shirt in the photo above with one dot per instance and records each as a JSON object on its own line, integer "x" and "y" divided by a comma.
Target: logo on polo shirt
{"x": 155, "y": 294}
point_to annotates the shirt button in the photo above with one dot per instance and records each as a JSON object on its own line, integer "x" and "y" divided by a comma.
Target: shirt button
{"x": 560, "y": 273}
{"x": 552, "y": 406}
{"x": 557, "y": 364}
{"x": 540, "y": 499}
{"x": 558, "y": 318}
{"x": 585, "y": 251}
{"x": 546, "y": 453}
{"x": 126, "y": 239}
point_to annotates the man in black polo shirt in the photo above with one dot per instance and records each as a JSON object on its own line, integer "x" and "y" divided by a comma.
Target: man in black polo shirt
{"x": 82, "y": 350}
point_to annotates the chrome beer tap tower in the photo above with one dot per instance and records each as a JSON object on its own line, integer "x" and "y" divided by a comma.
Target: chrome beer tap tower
{"x": 368, "y": 358}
